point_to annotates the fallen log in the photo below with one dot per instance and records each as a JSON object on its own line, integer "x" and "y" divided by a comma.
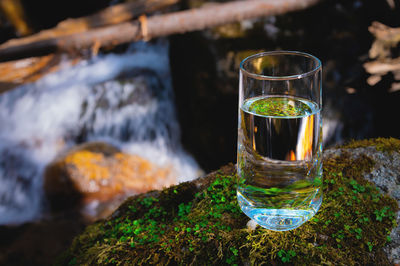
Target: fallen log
{"x": 15, "y": 73}
{"x": 155, "y": 26}
{"x": 108, "y": 16}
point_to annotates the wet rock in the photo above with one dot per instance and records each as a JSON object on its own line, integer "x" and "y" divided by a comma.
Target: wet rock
{"x": 99, "y": 176}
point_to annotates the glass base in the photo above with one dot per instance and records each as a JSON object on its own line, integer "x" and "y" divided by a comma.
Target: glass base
{"x": 279, "y": 219}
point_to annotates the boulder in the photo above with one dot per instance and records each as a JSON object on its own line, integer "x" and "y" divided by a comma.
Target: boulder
{"x": 200, "y": 222}
{"x": 97, "y": 176}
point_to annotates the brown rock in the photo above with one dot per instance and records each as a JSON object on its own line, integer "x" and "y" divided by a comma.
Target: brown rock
{"x": 97, "y": 175}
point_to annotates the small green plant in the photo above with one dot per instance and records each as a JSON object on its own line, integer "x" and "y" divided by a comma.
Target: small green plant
{"x": 148, "y": 201}
{"x": 380, "y": 214}
{"x": 286, "y": 256}
{"x": 370, "y": 246}
{"x": 357, "y": 188}
{"x": 358, "y": 232}
{"x": 184, "y": 209}
{"x": 232, "y": 257}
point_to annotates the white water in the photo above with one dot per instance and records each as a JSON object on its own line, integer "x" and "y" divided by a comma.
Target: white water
{"x": 85, "y": 103}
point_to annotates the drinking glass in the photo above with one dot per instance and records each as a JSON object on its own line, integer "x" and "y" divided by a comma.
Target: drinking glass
{"x": 279, "y": 159}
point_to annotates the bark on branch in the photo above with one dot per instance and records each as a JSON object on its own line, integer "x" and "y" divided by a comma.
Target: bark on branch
{"x": 108, "y": 16}
{"x": 156, "y": 26}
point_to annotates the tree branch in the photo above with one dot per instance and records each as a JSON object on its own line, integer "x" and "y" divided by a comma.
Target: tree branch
{"x": 108, "y": 16}
{"x": 156, "y": 26}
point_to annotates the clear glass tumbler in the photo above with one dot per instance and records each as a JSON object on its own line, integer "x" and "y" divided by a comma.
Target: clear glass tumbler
{"x": 279, "y": 159}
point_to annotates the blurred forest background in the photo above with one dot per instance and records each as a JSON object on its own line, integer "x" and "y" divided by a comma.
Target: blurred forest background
{"x": 356, "y": 40}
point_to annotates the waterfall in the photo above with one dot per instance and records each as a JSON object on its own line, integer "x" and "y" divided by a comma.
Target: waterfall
{"x": 124, "y": 99}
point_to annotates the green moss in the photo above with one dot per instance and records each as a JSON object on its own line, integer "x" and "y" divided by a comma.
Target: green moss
{"x": 381, "y": 144}
{"x": 201, "y": 223}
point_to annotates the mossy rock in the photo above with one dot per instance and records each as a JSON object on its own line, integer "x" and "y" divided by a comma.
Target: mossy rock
{"x": 200, "y": 223}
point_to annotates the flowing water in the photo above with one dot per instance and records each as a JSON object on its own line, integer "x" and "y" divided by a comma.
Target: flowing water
{"x": 124, "y": 99}
{"x": 279, "y": 160}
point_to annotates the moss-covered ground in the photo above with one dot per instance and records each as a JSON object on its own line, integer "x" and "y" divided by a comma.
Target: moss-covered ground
{"x": 200, "y": 223}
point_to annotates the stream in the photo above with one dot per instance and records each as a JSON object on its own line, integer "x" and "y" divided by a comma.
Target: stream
{"x": 123, "y": 99}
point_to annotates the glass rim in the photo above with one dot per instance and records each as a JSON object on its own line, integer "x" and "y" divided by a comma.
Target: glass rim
{"x": 283, "y": 52}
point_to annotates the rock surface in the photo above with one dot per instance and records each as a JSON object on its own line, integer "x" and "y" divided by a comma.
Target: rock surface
{"x": 199, "y": 222}
{"x": 99, "y": 175}
{"x": 385, "y": 174}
